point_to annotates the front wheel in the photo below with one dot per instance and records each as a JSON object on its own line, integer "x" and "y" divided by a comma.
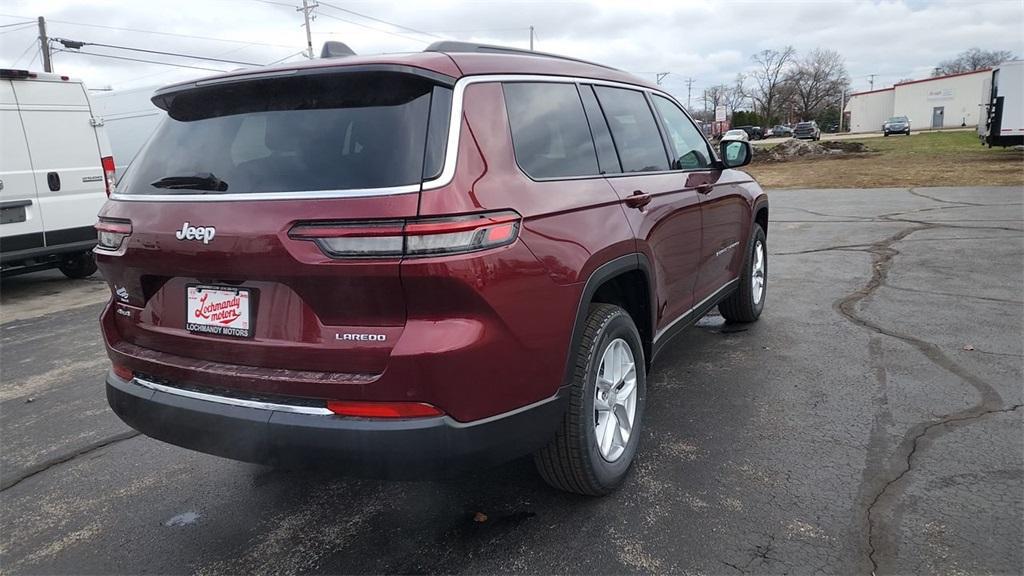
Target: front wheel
{"x": 747, "y": 301}
{"x": 78, "y": 266}
{"x": 598, "y": 437}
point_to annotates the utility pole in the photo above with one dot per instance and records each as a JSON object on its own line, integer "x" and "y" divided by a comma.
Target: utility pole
{"x": 306, "y": 10}
{"x": 531, "y": 38}
{"x": 659, "y": 76}
{"x": 44, "y": 45}
{"x": 842, "y": 107}
{"x": 689, "y": 89}
{"x": 871, "y": 80}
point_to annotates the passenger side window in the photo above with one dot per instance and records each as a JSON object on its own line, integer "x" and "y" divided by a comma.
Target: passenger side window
{"x": 690, "y": 147}
{"x": 550, "y": 133}
{"x": 633, "y": 128}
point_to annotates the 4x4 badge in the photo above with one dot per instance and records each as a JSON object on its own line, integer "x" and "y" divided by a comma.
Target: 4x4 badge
{"x": 204, "y": 233}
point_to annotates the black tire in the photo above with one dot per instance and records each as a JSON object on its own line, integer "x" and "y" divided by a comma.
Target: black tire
{"x": 886, "y": 134}
{"x": 740, "y": 305}
{"x": 907, "y": 132}
{"x": 78, "y": 266}
{"x": 573, "y": 461}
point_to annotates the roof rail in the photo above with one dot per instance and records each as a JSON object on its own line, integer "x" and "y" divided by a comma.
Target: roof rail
{"x": 456, "y": 46}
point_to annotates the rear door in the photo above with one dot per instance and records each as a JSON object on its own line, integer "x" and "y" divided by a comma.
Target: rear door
{"x": 662, "y": 205}
{"x": 65, "y": 153}
{"x": 284, "y": 192}
{"x": 724, "y": 210}
{"x": 21, "y": 224}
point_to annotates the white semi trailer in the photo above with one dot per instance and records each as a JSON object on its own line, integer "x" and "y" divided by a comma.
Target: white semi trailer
{"x": 1004, "y": 109}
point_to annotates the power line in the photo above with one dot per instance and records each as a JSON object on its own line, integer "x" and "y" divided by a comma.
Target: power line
{"x": 31, "y": 44}
{"x": 382, "y": 21}
{"x": 139, "y": 60}
{"x": 75, "y": 45}
{"x": 142, "y": 31}
{"x": 331, "y": 16}
{"x": 22, "y": 27}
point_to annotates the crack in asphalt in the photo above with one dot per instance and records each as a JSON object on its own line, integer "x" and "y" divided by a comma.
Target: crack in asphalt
{"x": 909, "y": 464}
{"x": 883, "y": 253}
{"x": 45, "y": 465}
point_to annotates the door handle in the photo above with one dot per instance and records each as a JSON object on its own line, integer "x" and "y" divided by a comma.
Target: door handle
{"x": 705, "y": 188}
{"x": 638, "y": 200}
{"x": 53, "y": 181}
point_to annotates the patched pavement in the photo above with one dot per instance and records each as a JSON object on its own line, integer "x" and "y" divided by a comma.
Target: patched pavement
{"x": 871, "y": 421}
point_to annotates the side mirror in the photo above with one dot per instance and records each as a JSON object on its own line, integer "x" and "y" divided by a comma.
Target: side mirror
{"x": 735, "y": 153}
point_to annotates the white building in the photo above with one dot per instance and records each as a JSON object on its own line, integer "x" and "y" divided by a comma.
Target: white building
{"x": 942, "y": 102}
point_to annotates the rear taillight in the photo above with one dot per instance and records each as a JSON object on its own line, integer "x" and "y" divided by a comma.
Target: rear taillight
{"x": 122, "y": 372}
{"x": 383, "y": 409}
{"x": 411, "y": 238}
{"x": 109, "y": 174}
{"x": 111, "y": 233}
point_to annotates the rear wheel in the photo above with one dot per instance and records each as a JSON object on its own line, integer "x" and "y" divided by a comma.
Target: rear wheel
{"x": 747, "y": 302}
{"x": 596, "y": 443}
{"x": 78, "y": 266}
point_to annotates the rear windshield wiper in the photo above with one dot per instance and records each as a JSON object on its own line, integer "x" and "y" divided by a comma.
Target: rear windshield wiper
{"x": 201, "y": 181}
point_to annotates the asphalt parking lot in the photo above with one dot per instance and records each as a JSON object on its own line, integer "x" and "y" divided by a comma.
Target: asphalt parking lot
{"x": 871, "y": 421}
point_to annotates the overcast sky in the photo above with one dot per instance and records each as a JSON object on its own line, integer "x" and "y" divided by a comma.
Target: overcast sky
{"x": 707, "y": 41}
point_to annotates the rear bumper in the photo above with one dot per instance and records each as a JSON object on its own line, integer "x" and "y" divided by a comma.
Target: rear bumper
{"x": 413, "y": 448}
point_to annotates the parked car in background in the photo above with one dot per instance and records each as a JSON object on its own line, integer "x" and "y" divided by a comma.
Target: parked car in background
{"x": 754, "y": 132}
{"x": 56, "y": 171}
{"x": 896, "y": 125}
{"x": 807, "y": 131}
{"x": 782, "y": 131}
{"x": 330, "y": 262}
{"x": 736, "y": 134}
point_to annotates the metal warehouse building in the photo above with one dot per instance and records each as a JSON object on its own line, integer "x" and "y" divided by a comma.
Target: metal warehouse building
{"x": 941, "y": 102}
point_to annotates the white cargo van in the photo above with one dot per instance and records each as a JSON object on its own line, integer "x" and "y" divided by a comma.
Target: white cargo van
{"x": 56, "y": 172}
{"x": 130, "y": 118}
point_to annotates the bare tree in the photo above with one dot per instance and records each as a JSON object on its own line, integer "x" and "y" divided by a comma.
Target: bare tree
{"x": 816, "y": 81}
{"x": 768, "y": 77}
{"x": 971, "y": 60}
{"x": 737, "y": 95}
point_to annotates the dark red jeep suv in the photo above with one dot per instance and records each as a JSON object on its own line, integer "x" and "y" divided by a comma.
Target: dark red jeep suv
{"x": 413, "y": 264}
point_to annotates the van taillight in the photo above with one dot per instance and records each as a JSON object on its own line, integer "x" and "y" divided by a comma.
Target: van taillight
{"x": 110, "y": 234}
{"x": 109, "y": 173}
{"x": 411, "y": 238}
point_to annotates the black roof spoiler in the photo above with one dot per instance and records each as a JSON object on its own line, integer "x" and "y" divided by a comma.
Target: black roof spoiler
{"x": 456, "y": 46}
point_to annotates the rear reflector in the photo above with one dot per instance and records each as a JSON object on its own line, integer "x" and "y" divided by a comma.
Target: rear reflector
{"x": 109, "y": 174}
{"x": 414, "y": 237}
{"x": 383, "y": 409}
{"x": 123, "y": 372}
{"x": 111, "y": 233}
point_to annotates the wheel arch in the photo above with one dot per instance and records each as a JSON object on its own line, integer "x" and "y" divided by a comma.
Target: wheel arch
{"x": 625, "y": 281}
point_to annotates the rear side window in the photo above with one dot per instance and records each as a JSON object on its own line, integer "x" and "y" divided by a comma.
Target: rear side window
{"x": 633, "y": 128}
{"x": 549, "y": 130}
{"x": 691, "y": 150}
{"x": 316, "y": 132}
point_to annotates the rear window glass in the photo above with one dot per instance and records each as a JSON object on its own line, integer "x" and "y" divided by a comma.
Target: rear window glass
{"x": 633, "y": 128}
{"x": 316, "y": 132}
{"x": 550, "y": 133}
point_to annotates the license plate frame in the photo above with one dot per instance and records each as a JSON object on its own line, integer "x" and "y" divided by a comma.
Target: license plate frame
{"x": 222, "y": 316}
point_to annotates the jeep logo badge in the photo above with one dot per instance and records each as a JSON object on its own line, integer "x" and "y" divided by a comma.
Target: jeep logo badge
{"x": 204, "y": 233}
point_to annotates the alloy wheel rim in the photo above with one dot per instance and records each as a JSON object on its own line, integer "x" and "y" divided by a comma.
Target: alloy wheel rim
{"x": 615, "y": 398}
{"x": 757, "y": 276}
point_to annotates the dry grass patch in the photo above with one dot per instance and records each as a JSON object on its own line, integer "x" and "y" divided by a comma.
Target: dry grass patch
{"x": 932, "y": 159}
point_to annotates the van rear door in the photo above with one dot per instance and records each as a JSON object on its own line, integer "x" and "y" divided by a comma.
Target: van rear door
{"x": 21, "y": 224}
{"x": 65, "y": 153}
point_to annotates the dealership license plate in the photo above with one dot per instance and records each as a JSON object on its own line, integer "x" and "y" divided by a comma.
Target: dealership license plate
{"x": 219, "y": 311}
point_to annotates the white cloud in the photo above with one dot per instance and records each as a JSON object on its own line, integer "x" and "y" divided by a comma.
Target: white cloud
{"x": 708, "y": 41}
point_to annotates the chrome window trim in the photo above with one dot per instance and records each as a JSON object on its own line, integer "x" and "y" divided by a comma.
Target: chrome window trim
{"x": 311, "y": 410}
{"x": 296, "y": 195}
{"x": 450, "y": 157}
